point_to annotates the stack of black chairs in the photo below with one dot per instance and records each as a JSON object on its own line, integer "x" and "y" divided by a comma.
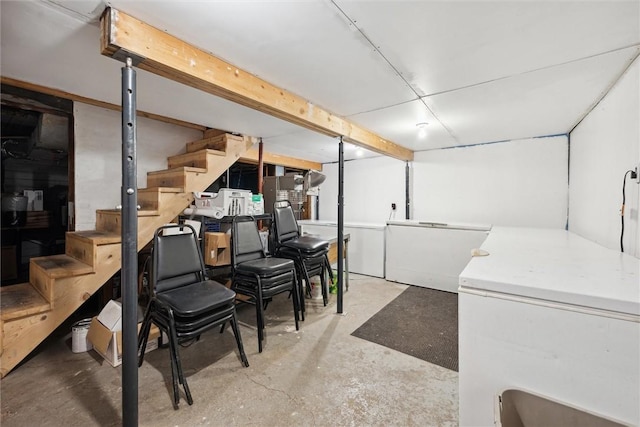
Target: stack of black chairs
{"x": 258, "y": 276}
{"x": 184, "y": 303}
{"x": 309, "y": 253}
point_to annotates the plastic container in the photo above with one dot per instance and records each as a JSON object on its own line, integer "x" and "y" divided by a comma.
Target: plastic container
{"x": 79, "y": 341}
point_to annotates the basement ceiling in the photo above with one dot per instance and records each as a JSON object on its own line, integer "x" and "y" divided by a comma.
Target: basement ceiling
{"x": 476, "y": 71}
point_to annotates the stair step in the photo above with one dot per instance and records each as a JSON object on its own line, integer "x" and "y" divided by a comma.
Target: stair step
{"x": 96, "y": 237}
{"x": 151, "y": 198}
{"x": 176, "y": 177}
{"x": 218, "y": 142}
{"x": 57, "y": 266}
{"x": 109, "y": 220}
{"x": 196, "y": 159}
{"x": 21, "y": 300}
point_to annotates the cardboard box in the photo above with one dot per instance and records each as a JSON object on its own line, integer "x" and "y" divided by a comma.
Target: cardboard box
{"x": 111, "y": 316}
{"x": 217, "y": 249}
{"x": 35, "y": 200}
{"x": 105, "y": 333}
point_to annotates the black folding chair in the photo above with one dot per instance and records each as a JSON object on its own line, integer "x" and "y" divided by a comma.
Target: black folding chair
{"x": 310, "y": 254}
{"x": 184, "y": 303}
{"x": 257, "y": 275}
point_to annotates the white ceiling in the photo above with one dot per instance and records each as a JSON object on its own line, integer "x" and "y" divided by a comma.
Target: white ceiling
{"x": 476, "y": 71}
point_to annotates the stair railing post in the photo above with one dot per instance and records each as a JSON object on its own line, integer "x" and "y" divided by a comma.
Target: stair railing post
{"x": 129, "y": 272}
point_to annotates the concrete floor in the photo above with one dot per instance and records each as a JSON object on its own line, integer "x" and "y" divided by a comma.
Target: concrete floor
{"x": 318, "y": 376}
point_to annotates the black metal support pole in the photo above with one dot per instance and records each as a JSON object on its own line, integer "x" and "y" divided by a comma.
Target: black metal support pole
{"x": 129, "y": 271}
{"x": 340, "y": 224}
{"x": 407, "y": 198}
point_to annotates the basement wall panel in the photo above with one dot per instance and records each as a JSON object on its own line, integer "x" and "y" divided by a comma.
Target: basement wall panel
{"x": 370, "y": 186}
{"x": 520, "y": 183}
{"x": 98, "y": 157}
{"x": 603, "y": 147}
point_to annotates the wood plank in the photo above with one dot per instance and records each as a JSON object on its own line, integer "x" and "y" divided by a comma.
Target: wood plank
{"x": 168, "y": 56}
{"x": 197, "y": 159}
{"x": 176, "y": 177}
{"x": 95, "y": 237}
{"x": 214, "y": 143}
{"x": 95, "y": 102}
{"x": 57, "y": 266}
{"x": 21, "y": 300}
{"x": 251, "y": 156}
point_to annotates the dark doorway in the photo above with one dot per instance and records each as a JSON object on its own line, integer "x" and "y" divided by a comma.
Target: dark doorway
{"x": 37, "y": 154}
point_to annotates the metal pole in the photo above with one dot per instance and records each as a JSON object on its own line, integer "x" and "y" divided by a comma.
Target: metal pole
{"x": 260, "y": 167}
{"x": 129, "y": 272}
{"x": 406, "y": 191}
{"x": 340, "y": 224}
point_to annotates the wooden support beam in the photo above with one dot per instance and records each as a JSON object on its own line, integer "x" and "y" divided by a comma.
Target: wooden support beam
{"x": 163, "y": 54}
{"x": 252, "y": 155}
{"x": 77, "y": 98}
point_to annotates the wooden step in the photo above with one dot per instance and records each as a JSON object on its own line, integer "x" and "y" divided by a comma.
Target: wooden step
{"x": 21, "y": 300}
{"x": 82, "y": 245}
{"x": 218, "y": 142}
{"x": 150, "y": 198}
{"x": 176, "y": 177}
{"x": 196, "y": 159}
{"x": 43, "y": 272}
{"x": 110, "y": 220}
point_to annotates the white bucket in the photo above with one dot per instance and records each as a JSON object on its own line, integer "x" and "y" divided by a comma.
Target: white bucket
{"x": 79, "y": 342}
{"x": 316, "y": 288}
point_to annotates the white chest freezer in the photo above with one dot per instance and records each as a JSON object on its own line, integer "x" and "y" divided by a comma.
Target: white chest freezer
{"x": 549, "y": 312}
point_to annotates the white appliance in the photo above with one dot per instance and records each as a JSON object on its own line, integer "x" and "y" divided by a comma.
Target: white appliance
{"x": 226, "y": 202}
{"x": 430, "y": 254}
{"x": 555, "y": 314}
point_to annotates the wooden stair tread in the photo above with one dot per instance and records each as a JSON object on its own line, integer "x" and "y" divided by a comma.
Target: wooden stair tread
{"x": 97, "y": 237}
{"x": 57, "y": 266}
{"x": 21, "y": 300}
{"x": 178, "y": 169}
{"x": 141, "y": 212}
{"x": 162, "y": 189}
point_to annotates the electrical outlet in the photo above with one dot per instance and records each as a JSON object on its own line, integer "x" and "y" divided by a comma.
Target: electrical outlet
{"x": 393, "y": 206}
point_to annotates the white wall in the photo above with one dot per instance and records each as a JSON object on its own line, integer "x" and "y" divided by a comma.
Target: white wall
{"x": 370, "y": 186}
{"x": 514, "y": 183}
{"x": 98, "y": 150}
{"x": 603, "y": 147}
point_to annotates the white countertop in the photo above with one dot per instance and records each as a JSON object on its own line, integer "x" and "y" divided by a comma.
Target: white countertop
{"x": 440, "y": 224}
{"x": 373, "y": 225}
{"x": 555, "y": 265}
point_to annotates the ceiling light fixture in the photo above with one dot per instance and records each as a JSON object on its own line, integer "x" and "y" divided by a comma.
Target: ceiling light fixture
{"x": 422, "y": 129}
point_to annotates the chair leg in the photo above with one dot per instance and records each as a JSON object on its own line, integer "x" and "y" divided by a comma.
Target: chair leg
{"x": 143, "y": 336}
{"x": 176, "y": 356}
{"x": 174, "y": 372}
{"x": 300, "y": 290}
{"x": 323, "y": 283}
{"x": 236, "y": 333}
{"x": 296, "y": 303}
{"x": 260, "y": 316}
{"x": 328, "y": 264}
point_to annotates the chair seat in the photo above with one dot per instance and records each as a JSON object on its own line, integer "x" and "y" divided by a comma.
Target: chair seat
{"x": 265, "y": 266}
{"x": 197, "y": 298}
{"x": 307, "y": 244}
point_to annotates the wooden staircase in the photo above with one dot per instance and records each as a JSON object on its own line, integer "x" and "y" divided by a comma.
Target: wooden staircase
{"x": 59, "y": 284}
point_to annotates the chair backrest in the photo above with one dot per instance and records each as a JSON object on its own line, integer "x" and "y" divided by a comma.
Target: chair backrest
{"x": 176, "y": 259}
{"x": 245, "y": 240}
{"x": 284, "y": 222}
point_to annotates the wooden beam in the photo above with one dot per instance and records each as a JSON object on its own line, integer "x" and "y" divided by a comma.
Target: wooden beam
{"x": 163, "y": 54}
{"x": 252, "y": 155}
{"x": 77, "y": 98}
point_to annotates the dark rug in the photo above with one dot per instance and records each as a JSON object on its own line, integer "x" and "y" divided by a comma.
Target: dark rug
{"x": 420, "y": 322}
